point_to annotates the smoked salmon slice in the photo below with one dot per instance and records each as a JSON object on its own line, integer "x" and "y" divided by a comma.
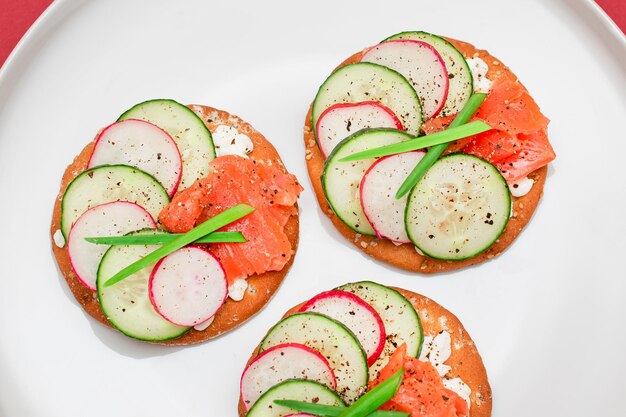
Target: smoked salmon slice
{"x": 493, "y": 145}
{"x": 233, "y": 180}
{"x": 518, "y": 143}
{"x": 535, "y": 153}
{"x": 510, "y": 108}
{"x": 422, "y": 392}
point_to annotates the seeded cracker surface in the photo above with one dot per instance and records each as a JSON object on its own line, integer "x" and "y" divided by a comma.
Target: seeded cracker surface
{"x": 465, "y": 361}
{"x": 405, "y": 256}
{"x": 233, "y": 313}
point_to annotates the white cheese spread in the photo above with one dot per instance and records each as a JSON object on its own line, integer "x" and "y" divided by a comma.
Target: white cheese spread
{"x": 228, "y": 141}
{"x": 237, "y": 289}
{"x": 58, "y": 238}
{"x": 521, "y": 187}
{"x": 437, "y": 350}
{"x": 201, "y": 326}
{"x": 479, "y": 69}
{"x": 457, "y": 385}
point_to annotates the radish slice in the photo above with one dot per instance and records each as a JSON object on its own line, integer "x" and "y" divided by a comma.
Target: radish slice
{"x": 110, "y": 219}
{"x": 280, "y": 363}
{"x": 378, "y": 194}
{"x": 341, "y": 120}
{"x": 142, "y": 145}
{"x": 354, "y": 313}
{"x": 420, "y": 64}
{"x": 188, "y": 286}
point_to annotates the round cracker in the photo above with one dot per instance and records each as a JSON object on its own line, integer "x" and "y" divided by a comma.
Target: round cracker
{"x": 405, "y": 256}
{"x": 465, "y": 361}
{"x": 233, "y": 313}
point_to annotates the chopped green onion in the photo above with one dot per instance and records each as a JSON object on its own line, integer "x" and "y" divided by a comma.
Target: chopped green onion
{"x": 373, "y": 399}
{"x": 162, "y": 238}
{"x": 439, "y": 138}
{"x": 331, "y": 410}
{"x": 211, "y": 225}
{"x": 310, "y": 408}
{"x": 435, "y": 152}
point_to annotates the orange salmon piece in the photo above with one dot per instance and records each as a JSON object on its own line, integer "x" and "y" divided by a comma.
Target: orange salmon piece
{"x": 535, "y": 153}
{"x": 422, "y": 393}
{"x": 493, "y": 145}
{"x": 510, "y": 108}
{"x": 518, "y": 143}
{"x": 233, "y": 180}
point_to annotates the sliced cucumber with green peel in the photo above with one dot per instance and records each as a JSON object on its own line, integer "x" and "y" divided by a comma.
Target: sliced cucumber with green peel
{"x": 109, "y": 183}
{"x": 458, "y": 209}
{"x": 191, "y": 135}
{"x": 461, "y": 83}
{"x": 127, "y": 304}
{"x": 293, "y": 389}
{"x": 402, "y": 323}
{"x": 341, "y": 180}
{"x": 365, "y": 81}
{"x": 333, "y": 340}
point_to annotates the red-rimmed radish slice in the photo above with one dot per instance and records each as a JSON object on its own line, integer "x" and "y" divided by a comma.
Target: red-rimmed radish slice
{"x": 280, "y": 363}
{"x": 354, "y": 313}
{"x": 420, "y": 64}
{"x": 143, "y": 145}
{"x": 188, "y": 286}
{"x": 343, "y": 119}
{"x": 378, "y": 194}
{"x": 110, "y": 219}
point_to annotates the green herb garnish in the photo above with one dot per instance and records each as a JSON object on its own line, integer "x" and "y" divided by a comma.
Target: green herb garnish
{"x": 331, "y": 410}
{"x": 162, "y": 238}
{"x": 439, "y": 138}
{"x": 435, "y": 152}
{"x": 373, "y": 399}
{"x": 211, "y": 225}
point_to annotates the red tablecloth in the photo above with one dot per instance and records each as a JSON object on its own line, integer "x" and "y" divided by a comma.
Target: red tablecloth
{"x": 16, "y": 16}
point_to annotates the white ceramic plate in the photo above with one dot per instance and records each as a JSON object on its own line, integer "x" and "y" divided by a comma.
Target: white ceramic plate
{"x": 548, "y": 315}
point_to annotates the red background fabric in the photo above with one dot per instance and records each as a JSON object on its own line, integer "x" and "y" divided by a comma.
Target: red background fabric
{"x": 16, "y": 16}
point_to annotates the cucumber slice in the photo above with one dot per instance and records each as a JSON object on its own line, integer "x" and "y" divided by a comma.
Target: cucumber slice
{"x": 458, "y": 209}
{"x": 293, "y": 389}
{"x": 191, "y": 135}
{"x": 461, "y": 83}
{"x": 127, "y": 304}
{"x": 365, "y": 81}
{"x": 109, "y": 183}
{"x": 341, "y": 181}
{"x": 333, "y": 340}
{"x": 402, "y": 323}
